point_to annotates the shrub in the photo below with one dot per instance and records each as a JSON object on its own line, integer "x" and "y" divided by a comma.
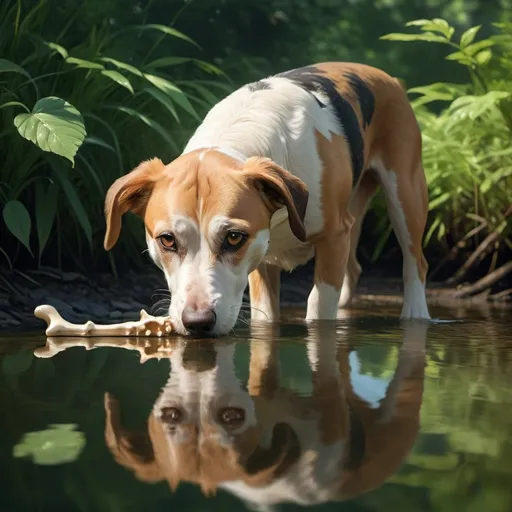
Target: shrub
{"x": 84, "y": 99}
{"x": 467, "y": 151}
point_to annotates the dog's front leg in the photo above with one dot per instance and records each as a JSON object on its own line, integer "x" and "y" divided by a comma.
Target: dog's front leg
{"x": 264, "y": 287}
{"x": 331, "y": 255}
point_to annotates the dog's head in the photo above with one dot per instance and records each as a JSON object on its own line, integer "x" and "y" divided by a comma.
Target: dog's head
{"x": 203, "y": 428}
{"x": 207, "y": 218}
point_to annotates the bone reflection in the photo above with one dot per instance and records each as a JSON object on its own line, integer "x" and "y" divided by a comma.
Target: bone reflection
{"x": 268, "y": 443}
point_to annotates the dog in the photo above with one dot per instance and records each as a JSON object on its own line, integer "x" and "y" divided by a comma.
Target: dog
{"x": 276, "y": 445}
{"x": 280, "y": 171}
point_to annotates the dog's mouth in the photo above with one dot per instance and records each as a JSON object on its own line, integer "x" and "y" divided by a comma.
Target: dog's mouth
{"x": 199, "y": 356}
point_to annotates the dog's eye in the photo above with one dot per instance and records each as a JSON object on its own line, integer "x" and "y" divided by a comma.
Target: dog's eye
{"x": 234, "y": 240}
{"x": 171, "y": 415}
{"x": 167, "y": 241}
{"x": 232, "y": 417}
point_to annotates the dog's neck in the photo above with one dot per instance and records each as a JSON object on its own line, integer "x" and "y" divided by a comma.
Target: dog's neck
{"x": 233, "y": 153}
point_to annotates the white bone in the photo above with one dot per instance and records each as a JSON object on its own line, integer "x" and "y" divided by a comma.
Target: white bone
{"x": 148, "y": 325}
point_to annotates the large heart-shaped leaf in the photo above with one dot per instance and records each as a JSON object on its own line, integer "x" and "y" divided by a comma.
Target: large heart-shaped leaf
{"x": 54, "y": 125}
{"x": 17, "y": 220}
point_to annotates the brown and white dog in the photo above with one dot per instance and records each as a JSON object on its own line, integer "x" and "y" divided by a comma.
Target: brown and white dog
{"x": 267, "y": 443}
{"x": 280, "y": 171}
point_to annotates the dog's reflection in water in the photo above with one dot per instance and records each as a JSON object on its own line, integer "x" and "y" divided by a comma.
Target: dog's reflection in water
{"x": 268, "y": 444}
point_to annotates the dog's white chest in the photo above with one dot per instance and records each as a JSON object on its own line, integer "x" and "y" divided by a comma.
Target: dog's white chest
{"x": 285, "y": 250}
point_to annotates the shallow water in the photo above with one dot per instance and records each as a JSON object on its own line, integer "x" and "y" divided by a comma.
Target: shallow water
{"x": 382, "y": 415}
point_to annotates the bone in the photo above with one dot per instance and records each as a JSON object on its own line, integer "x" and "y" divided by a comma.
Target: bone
{"x": 148, "y": 348}
{"x": 147, "y": 326}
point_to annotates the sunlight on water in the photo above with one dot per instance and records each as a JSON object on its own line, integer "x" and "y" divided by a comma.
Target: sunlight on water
{"x": 368, "y": 411}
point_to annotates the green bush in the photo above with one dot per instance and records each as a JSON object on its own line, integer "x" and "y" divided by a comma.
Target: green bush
{"x": 467, "y": 152}
{"x": 83, "y": 99}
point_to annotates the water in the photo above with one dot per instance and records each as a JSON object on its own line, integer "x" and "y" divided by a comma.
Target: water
{"x": 378, "y": 415}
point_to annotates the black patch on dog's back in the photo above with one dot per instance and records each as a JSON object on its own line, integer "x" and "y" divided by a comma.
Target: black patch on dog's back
{"x": 260, "y": 85}
{"x": 364, "y": 95}
{"x": 313, "y": 80}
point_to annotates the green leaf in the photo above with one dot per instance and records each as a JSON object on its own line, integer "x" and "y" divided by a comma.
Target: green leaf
{"x": 14, "y": 104}
{"x": 86, "y": 64}
{"x": 118, "y": 78}
{"x": 164, "y": 100}
{"x": 428, "y": 37}
{"x": 441, "y": 26}
{"x": 207, "y": 94}
{"x": 57, "y": 445}
{"x": 46, "y": 208}
{"x": 174, "y": 61}
{"x": 74, "y": 200}
{"x": 94, "y": 174}
{"x": 17, "y": 220}
{"x": 432, "y": 230}
{"x": 472, "y": 107}
{"x": 57, "y": 48}
{"x": 483, "y": 57}
{"x": 54, "y": 125}
{"x": 474, "y": 48}
{"x": 443, "y": 198}
{"x": 6, "y": 66}
{"x": 122, "y": 65}
{"x": 98, "y": 141}
{"x": 115, "y": 138}
{"x": 461, "y": 58}
{"x": 435, "y": 25}
{"x": 176, "y": 94}
{"x": 467, "y": 38}
{"x": 168, "y": 61}
{"x": 417, "y": 23}
{"x": 149, "y": 122}
{"x": 168, "y": 31}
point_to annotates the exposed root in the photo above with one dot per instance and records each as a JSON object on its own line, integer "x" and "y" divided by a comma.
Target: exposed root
{"x": 484, "y": 283}
{"x": 478, "y": 254}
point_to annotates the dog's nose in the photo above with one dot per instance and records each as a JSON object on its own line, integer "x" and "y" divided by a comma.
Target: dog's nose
{"x": 198, "y": 321}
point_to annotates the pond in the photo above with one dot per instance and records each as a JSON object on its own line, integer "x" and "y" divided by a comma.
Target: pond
{"x": 366, "y": 413}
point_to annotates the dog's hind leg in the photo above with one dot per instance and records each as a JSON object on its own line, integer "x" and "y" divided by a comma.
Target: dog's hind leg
{"x": 403, "y": 181}
{"x": 358, "y": 208}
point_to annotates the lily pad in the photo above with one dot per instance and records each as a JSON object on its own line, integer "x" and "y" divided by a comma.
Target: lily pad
{"x": 58, "y": 444}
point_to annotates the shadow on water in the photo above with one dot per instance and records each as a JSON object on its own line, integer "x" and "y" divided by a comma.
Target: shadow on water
{"x": 368, "y": 411}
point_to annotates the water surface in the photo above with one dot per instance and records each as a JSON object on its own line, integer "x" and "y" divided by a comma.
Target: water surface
{"x": 366, "y": 413}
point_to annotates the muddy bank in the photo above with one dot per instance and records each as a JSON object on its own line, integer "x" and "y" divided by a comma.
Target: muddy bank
{"x": 103, "y": 298}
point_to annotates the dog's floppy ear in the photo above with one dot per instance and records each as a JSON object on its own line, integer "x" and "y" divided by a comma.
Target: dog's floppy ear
{"x": 280, "y": 188}
{"x": 129, "y": 193}
{"x": 133, "y": 450}
{"x": 266, "y": 464}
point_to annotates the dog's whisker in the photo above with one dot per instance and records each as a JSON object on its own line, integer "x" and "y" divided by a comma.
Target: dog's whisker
{"x": 247, "y": 307}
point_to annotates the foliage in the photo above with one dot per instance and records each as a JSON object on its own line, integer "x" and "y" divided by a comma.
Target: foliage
{"x": 84, "y": 99}
{"x": 466, "y": 147}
